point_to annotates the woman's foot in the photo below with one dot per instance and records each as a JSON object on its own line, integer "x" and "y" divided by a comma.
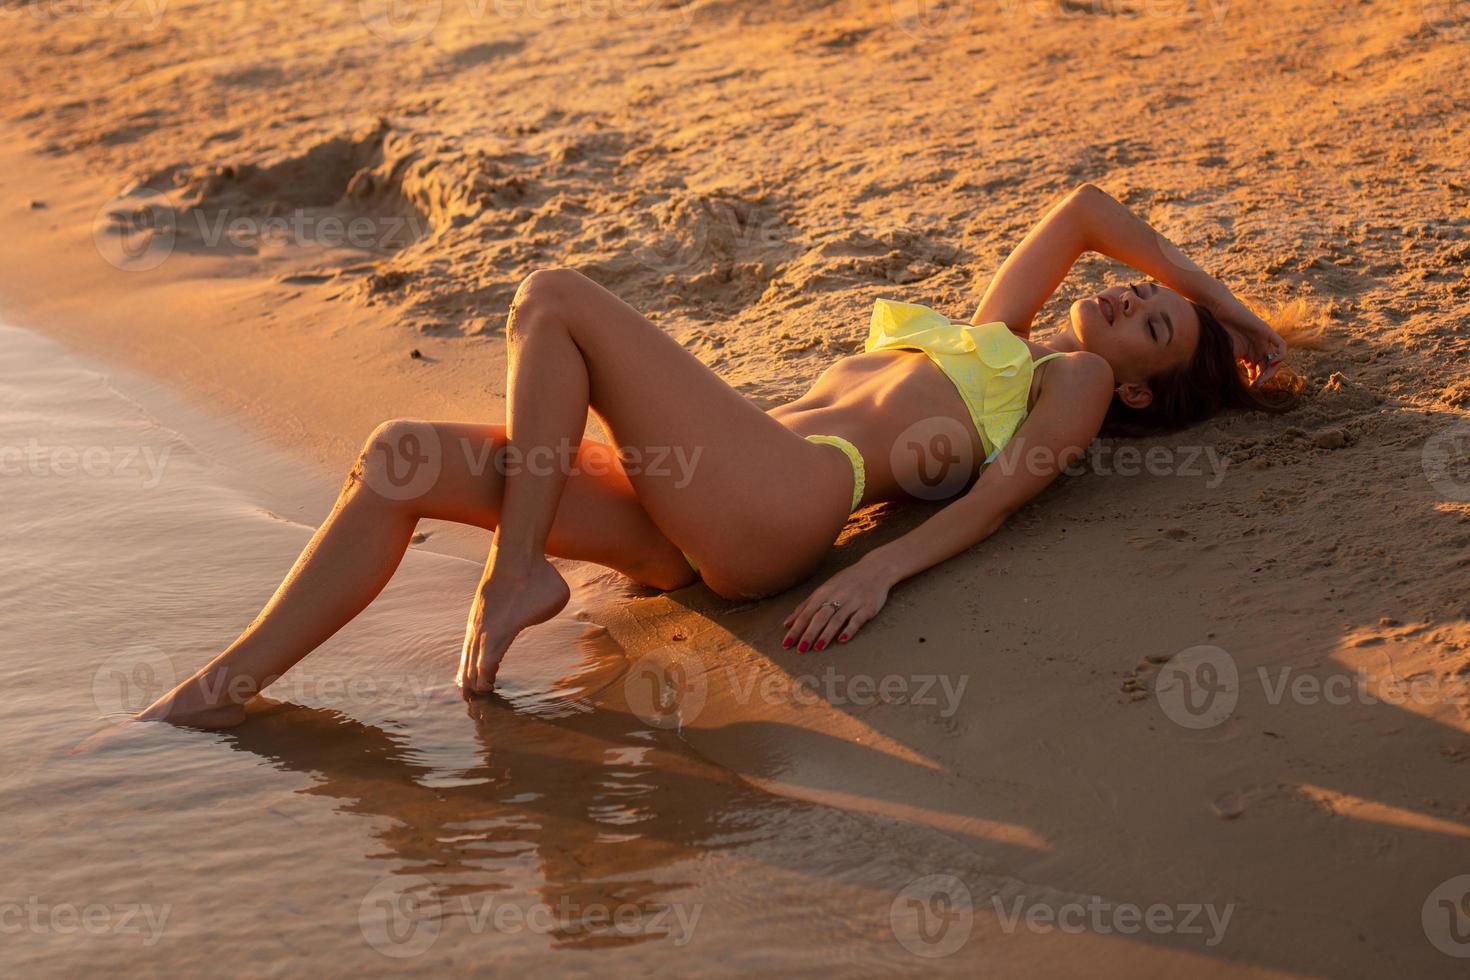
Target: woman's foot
{"x": 513, "y": 596}
{"x": 186, "y": 705}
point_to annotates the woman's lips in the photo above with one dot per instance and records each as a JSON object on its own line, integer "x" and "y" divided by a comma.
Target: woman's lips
{"x": 1107, "y": 307}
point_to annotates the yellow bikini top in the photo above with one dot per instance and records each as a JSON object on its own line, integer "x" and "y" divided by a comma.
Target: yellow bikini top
{"x": 991, "y": 367}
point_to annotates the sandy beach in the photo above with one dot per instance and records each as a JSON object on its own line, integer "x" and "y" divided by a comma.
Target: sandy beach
{"x": 303, "y": 219}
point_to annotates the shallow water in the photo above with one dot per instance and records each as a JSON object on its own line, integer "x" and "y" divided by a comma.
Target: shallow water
{"x": 367, "y": 820}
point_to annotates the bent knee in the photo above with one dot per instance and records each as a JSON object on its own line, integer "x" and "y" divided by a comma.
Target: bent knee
{"x": 400, "y": 460}
{"x": 542, "y": 295}
{"x": 392, "y": 434}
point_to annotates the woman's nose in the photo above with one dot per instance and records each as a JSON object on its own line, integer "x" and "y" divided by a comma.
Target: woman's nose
{"x": 1128, "y": 304}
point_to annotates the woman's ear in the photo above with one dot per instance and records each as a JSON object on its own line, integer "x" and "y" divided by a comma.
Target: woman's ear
{"x": 1135, "y": 395}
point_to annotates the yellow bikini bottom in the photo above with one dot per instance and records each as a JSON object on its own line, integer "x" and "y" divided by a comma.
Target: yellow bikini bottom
{"x": 859, "y": 473}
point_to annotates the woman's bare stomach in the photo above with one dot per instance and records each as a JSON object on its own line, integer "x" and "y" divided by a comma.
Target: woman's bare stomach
{"x": 905, "y": 417}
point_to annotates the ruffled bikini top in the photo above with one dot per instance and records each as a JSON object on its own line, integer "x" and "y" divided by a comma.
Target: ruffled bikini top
{"x": 990, "y": 366}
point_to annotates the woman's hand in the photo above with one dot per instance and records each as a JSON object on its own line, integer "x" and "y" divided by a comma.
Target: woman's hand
{"x": 1256, "y": 345}
{"x": 839, "y": 607}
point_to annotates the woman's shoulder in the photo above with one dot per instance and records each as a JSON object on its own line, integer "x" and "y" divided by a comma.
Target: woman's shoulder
{"x": 1077, "y": 373}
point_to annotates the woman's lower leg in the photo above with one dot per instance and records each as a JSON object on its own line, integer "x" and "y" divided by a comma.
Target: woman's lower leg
{"x": 341, "y": 570}
{"x": 548, "y": 403}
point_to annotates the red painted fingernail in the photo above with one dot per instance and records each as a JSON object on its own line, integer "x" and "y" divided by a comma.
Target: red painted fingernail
{"x": 802, "y": 646}
{"x": 821, "y": 644}
{"x": 786, "y": 642}
{"x": 842, "y": 638}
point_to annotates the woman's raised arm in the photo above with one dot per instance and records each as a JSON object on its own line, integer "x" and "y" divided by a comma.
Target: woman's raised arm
{"x": 1089, "y": 219}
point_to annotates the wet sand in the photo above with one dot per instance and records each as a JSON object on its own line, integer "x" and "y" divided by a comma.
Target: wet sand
{"x": 753, "y": 179}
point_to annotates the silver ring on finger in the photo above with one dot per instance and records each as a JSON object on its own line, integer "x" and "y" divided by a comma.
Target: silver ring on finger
{"x": 833, "y": 603}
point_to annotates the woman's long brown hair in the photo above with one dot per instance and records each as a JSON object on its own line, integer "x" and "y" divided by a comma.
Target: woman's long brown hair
{"x": 1210, "y": 382}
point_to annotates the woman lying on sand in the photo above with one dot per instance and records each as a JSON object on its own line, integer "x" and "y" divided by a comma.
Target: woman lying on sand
{"x": 765, "y": 494}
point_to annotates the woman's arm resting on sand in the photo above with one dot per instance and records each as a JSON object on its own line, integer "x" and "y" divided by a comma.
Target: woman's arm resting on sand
{"x": 1088, "y": 219}
{"x": 1059, "y": 429}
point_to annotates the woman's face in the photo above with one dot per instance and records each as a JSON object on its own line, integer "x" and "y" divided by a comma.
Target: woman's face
{"x": 1142, "y": 329}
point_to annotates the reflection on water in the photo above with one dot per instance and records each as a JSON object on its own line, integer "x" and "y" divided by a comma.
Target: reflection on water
{"x": 368, "y": 818}
{"x": 591, "y": 804}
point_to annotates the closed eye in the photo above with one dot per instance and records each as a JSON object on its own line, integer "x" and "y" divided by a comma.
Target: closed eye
{"x": 1153, "y": 327}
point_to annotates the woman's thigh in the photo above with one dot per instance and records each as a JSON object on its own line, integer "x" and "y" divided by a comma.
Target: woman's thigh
{"x": 753, "y": 502}
{"x": 599, "y": 519}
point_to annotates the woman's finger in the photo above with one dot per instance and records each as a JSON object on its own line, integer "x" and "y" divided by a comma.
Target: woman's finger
{"x": 854, "y": 623}
{"x": 805, "y": 605}
{"x": 798, "y": 620}
{"x": 795, "y": 626}
{"x": 835, "y": 627}
{"x": 806, "y": 629}
{"x": 817, "y": 623}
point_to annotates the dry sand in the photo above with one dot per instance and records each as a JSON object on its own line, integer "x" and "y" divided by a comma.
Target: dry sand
{"x": 753, "y": 176}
